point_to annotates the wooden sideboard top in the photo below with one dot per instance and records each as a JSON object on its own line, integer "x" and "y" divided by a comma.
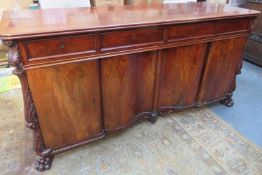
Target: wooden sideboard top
{"x": 37, "y": 23}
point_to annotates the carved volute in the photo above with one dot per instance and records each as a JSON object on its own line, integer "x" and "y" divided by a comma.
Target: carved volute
{"x": 13, "y": 54}
{"x": 14, "y": 59}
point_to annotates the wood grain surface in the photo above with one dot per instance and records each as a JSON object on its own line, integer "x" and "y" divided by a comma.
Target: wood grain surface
{"x": 128, "y": 38}
{"x": 18, "y": 24}
{"x": 185, "y": 31}
{"x": 59, "y": 46}
{"x": 180, "y": 75}
{"x": 89, "y": 72}
{"x": 128, "y": 87}
{"x": 67, "y": 100}
{"x": 220, "y": 72}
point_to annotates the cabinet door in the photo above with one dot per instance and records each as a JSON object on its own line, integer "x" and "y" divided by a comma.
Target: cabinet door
{"x": 181, "y": 69}
{"x": 67, "y": 101}
{"x": 220, "y": 70}
{"x": 128, "y": 88}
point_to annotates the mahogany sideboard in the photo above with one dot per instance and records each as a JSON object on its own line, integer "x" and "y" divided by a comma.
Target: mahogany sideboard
{"x": 89, "y": 72}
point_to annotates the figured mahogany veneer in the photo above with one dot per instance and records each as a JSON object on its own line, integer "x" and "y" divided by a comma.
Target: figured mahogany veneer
{"x": 186, "y": 31}
{"x": 88, "y": 72}
{"x": 38, "y": 48}
{"x": 129, "y": 38}
{"x": 233, "y": 26}
{"x": 184, "y": 65}
{"x": 67, "y": 112}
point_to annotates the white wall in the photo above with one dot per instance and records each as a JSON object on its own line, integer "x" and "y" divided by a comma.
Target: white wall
{"x": 45, "y": 4}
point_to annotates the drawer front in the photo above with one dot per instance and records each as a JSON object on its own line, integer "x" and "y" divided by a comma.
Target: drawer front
{"x": 183, "y": 31}
{"x": 232, "y": 25}
{"x": 59, "y": 46}
{"x": 128, "y": 38}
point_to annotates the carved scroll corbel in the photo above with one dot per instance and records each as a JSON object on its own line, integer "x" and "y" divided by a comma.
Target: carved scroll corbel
{"x": 14, "y": 59}
{"x": 46, "y": 155}
{"x": 239, "y": 66}
{"x": 228, "y": 101}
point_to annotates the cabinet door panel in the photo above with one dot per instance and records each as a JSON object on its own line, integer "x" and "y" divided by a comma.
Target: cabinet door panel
{"x": 180, "y": 75}
{"x": 67, "y": 100}
{"x": 220, "y": 70}
{"x": 128, "y": 87}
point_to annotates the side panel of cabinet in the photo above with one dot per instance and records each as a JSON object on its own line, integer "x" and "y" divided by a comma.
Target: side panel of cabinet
{"x": 181, "y": 69}
{"x": 67, "y": 101}
{"x": 128, "y": 88}
{"x": 220, "y": 70}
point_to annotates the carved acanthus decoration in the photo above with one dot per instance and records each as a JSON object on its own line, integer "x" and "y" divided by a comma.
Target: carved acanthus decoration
{"x": 30, "y": 113}
{"x": 9, "y": 43}
{"x": 228, "y": 100}
{"x": 239, "y": 67}
{"x": 32, "y": 120}
{"x": 46, "y": 155}
{"x": 13, "y": 54}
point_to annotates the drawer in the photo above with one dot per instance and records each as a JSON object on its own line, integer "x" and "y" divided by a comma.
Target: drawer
{"x": 59, "y": 46}
{"x": 128, "y": 38}
{"x": 233, "y": 25}
{"x": 184, "y": 31}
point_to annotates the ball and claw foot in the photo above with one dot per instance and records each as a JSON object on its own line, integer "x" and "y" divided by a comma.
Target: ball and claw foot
{"x": 43, "y": 163}
{"x": 228, "y": 101}
{"x": 153, "y": 117}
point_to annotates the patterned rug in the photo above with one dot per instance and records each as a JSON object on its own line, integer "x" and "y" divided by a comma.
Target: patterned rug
{"x": 194, "y": 142}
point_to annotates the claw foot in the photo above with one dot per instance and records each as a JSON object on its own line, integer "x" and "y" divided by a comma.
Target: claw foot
{"x": 153, "y": 117}
{"x": 43, "y": 163}
{"x": 228, "y": 101}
